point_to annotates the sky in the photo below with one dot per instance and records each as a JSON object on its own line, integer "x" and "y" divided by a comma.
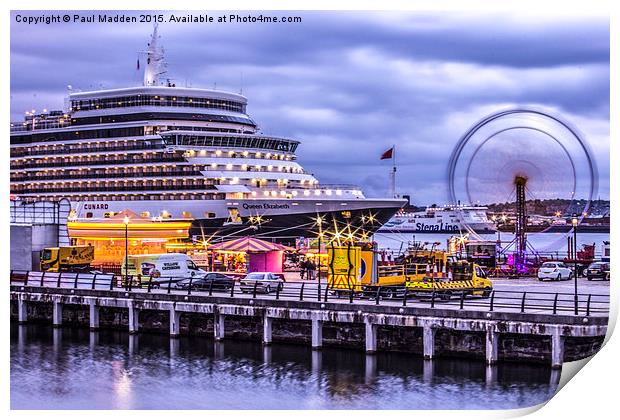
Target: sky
{"x": 349, "y": 85}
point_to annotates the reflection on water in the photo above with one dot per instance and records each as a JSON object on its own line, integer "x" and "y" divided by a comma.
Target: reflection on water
{"x": 73, "y": 368}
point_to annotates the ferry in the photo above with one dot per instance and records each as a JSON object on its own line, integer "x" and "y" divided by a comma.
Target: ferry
{"x": 446, "y": 219}
{"x": 174, "y": 153}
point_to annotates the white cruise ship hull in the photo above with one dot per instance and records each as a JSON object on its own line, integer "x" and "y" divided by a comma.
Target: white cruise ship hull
{"x": 273, "y": 218}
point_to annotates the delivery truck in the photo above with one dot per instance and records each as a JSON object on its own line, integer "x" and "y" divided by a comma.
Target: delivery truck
{"x": 160, "y": 269}
{"x": 67, "y": 258}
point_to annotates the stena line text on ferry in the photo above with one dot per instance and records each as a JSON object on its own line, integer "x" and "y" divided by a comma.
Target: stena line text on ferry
{"x": 423, "y": 227}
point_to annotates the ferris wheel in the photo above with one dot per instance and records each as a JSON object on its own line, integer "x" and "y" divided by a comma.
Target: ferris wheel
{"x": 519, "y": 156}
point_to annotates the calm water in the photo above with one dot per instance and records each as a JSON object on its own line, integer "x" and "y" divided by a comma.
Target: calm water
{"x": 542, "y": 242}
{"x": 75, "y": 369}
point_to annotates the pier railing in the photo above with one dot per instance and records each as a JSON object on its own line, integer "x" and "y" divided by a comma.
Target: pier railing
{"x": 527, "y": 301}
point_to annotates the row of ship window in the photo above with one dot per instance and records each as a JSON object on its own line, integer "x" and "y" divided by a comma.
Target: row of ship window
{"x": 86, "y": 160}
{"x": 157, "y": 100}
{"x": 228, "y": 141}
{"x": 151, "y": 146}
{"x": 121, "y": 145}
{"x": 137, "y": 197}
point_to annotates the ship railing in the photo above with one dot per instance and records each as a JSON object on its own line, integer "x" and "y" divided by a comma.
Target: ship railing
{"x": 528, "y": 300}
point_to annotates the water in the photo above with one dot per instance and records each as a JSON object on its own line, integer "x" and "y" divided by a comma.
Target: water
{"x": 542, "y": 242}
{"x": 75, "y": 369}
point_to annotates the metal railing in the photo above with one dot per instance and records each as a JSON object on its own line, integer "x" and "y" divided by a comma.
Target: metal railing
{"x": 555, "y": 303}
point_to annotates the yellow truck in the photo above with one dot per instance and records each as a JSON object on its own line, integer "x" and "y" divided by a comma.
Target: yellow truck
{"x": 463, "y": 278}
{"x": 355, "y": 270}
{"x": 67, "y": 258}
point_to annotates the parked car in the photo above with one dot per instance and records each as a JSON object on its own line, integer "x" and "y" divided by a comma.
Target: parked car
{"x": 554, "y": 271}
{"x": 213, "y": 281}
{"x": 597, "y": 270}
{"x": 264, "y": 283}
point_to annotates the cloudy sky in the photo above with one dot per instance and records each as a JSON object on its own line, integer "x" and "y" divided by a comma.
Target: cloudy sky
{"x": 349, "y": 85}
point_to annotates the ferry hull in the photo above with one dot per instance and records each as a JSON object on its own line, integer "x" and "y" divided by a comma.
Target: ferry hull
{"x": 452, "y": 231}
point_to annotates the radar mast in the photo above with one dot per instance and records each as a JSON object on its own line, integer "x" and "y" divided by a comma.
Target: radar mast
{"x": 155, "y": 63}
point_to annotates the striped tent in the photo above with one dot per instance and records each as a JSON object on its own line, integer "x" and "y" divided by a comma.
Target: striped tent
{"x": 248, "y": 244}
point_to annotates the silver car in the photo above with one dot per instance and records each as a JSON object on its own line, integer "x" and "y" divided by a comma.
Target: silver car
{"x": 264, "y": 283}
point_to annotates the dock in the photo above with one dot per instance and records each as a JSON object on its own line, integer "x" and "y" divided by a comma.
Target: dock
{"x": 479, "y": 329}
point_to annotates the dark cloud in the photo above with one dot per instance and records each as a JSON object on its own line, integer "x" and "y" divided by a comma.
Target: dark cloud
{"x": 349, "y": 85}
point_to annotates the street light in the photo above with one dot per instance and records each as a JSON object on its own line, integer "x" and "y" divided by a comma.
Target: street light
{"x": 126, "y": 221}
{"x": 319, "y": 264}
{"x": 575, "y": 221}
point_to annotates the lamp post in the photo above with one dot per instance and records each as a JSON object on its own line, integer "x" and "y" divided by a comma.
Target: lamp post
{"x": 319, "y": 222}
{"x": 126, "y": 221}
{"x": 318, "y": 277}
{"x": 575, "y": 221}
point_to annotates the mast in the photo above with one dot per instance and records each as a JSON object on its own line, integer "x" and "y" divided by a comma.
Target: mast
{"x": 155, "y": 64}
{"x": 393, "y": 173}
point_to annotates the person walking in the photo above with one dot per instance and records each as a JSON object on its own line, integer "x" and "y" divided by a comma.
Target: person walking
{"x": 302, "y": 268}
{"x": 311, "y": 269}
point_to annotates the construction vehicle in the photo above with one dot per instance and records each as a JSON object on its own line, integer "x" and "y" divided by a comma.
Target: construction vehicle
{"x": 354, "y": 269}
{"x": 67, "y": 258}
{"x": 463, "y": 278}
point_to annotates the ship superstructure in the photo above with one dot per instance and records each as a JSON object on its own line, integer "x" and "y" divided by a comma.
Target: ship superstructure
{"x": 171, "y": 153}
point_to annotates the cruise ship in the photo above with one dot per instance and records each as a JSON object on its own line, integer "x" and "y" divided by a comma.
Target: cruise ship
{"x": 173, "y": 153}
{"x": 447, "y": 219}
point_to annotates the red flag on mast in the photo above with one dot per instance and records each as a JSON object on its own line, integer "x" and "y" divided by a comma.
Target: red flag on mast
{"x": 387, "y": 154}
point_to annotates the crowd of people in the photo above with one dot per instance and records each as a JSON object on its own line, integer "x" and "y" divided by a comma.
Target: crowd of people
{"x": 307, "y": 268}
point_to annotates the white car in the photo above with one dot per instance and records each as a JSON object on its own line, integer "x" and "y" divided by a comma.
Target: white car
{"x": 554, "y": 271}
{"x": 264, "y": 283}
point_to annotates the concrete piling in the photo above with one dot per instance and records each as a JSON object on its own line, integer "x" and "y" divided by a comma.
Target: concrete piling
{"x": 134, "y": 314}
{"x": 218, "y": 327}
{"x": 492, "y": 345}
{"x": 557, "y": 350}
{"x": 267, "y": 330}
{"x": 371, "y": 337}
{"x": 428, "y": 341}
{"x": 93, "y": 312}
{"x": 22, "y": 310}
{"x": 428, "y": 371}
{"x": 317, "y": 361}
{"x": 490, "y": 375}
{"x": 133, "y": 344}
{"x": 267, "y": 355}
{"x": 93, "y": 340}
{"x": 56, "y": 340}
{"x": 370, "y": 368}
{"x": 175, "y": 323}
{"x": 174, "y": 348}
{"x": 56, "y": 314}
{"x": 317, "y": 334}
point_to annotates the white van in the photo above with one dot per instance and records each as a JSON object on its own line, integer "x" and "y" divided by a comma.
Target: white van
{"x": 162, "y": 267}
